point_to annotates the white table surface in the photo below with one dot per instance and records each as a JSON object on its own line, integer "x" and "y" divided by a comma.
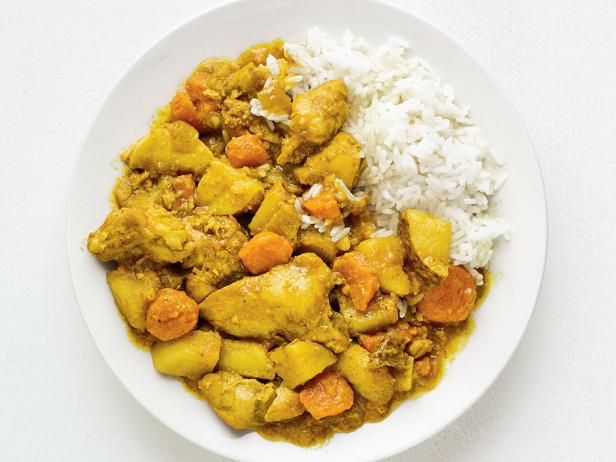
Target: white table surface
{"x": 556, "y": 401}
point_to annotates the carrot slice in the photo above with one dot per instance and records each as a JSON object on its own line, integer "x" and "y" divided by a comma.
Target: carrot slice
{"x": 246, "y": 151}
{"x": 361, "y": 279}
{"x": 451, "y": 301}
{"x": 371, "y": 342}
{"x": 326, "y": 394}
{"x": 195, "y": 85}
{"x": 323, "y": 206}
{"x": 264, "y": 251}
{"x": 182, "y": 108}
{"x": 171, "y": 315}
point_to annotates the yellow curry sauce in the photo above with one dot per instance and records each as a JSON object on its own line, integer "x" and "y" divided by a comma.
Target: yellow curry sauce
{"x": 285, "y": 328}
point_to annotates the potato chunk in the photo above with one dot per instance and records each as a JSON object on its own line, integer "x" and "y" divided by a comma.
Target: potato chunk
{"x": 169, "y": 149}
{"x": 190, "y": 356}
{"x": 285, "y": 406}
{"x": 426, "y": 241}
{"x": 132, "y": 293}
{"x": 310, "y": 240}
{"x": 382, "y": 312}
{"x": 227, "y": 191}
{"x": 241, "y": 403}
{"x": 277, "y": 214}
{"x": 339, "y": 157}
{"x": 386, "y": 255}
{"x": 376, "y": 385}
{"x": 248, "y": 359}
{"x": 300, "y": 360}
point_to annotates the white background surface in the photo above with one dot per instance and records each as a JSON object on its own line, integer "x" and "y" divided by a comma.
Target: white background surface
{"x": 556, "y": 401}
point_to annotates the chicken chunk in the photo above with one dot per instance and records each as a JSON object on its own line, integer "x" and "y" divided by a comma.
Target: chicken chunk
{"x": 169, "y": 149}
{"x": 241, "y": 403}
{"x": 339, "y": 157}
{"x": 318, "y": 114}
{"x": 162, "y": 237}
{"x": 290, "y": 300}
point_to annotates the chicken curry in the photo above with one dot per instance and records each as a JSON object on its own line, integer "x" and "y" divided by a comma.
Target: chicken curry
{"x": 289, "y": 329}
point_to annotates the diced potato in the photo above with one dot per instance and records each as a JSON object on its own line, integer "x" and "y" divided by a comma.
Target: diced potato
{"x": 376, "y": 385}
{"x": 310, "y": 240}
{"x": 382, "y": 312}
{"x": 339, "y": 157}
{"x": 300, "y": 360}
{"x": 133, "y": 293}
{"x": 169, "y": 149}
{"x": 404, "y": 377}
{"x": 386, "y": 255}
{"x": 277, "y": 214}
{"x": 285, "y": 406}
{"x": 426, "y": 241}
{"x": 258, "y": 53}
{"x": 227, "y": 191}
{"x": 248, "y": 80}
{"x": 241, "y": 403}
{"x": 248, "y": 359}
{"x": 192, "y": 356}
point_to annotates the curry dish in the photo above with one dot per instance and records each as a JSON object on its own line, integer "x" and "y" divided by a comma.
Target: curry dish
{"x": 282, "y": 328}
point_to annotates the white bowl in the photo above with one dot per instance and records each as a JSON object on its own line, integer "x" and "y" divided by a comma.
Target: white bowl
{"x": 152, "y": 80}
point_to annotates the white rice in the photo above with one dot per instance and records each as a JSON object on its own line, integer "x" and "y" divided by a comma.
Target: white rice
{"x": 421, "y": 148}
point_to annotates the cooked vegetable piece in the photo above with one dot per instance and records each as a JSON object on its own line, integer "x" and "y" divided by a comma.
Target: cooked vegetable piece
{"x": 182, "y": 108}
{"x": 323, "y": 206}
{"x": 289, "y": 300}
{"x": 241, "y": 403}
{"x": 326, "y": 395}
{"x": 227, "y": 191}
{"x": 420, "y": 347}
{"x": 386, "y": 255}
{"x": 376, "y": 385}
{"x": 403, "y": 376}
{"x": 264, "y": 251}
{"x": 192, "y": 355}
{"x": 277, "y": 213}
{"x": 451, "y": 301}
{"x": 133, "y": 292}
{"x": 339, "y": 157}
{"x": 285, "y": 406}
{"x": 171, "y": 314}
{"x": 361, "y": 280}
{"x": 246, "y": 151}
{"x": 169, "y": 149}
{"x": 382, "y": 312}
{"x": 370, "y": 342}
{"x": 310, "y": 240}
{"x": 299, "y": 361}
{"x": 249, "y": 359}
{"x": 317, "y": 115}
{"x": 426, "y": 241}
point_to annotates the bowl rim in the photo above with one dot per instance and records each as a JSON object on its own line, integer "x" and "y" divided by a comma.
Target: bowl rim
{"x": 391, "y": 450}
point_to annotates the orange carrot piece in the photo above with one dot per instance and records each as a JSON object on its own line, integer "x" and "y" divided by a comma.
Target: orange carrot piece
{"x": 451, "y": 301}
{"x": 182, "y": 108}
{"x": 264, "y": 251}
{"x": 171, "y": 315}
{"x": 361, "y": 280}
{"x": 195, "y": 85}
{"x": 184, "y": 186}
{"x": 323, "y": 206}
{"x": 326, "y": 394}
{"x": 246, "y": 151}
{"x": 370, "y": 342}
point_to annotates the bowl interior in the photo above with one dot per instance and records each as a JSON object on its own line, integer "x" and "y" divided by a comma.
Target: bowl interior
{"x": 225, "y": 31}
